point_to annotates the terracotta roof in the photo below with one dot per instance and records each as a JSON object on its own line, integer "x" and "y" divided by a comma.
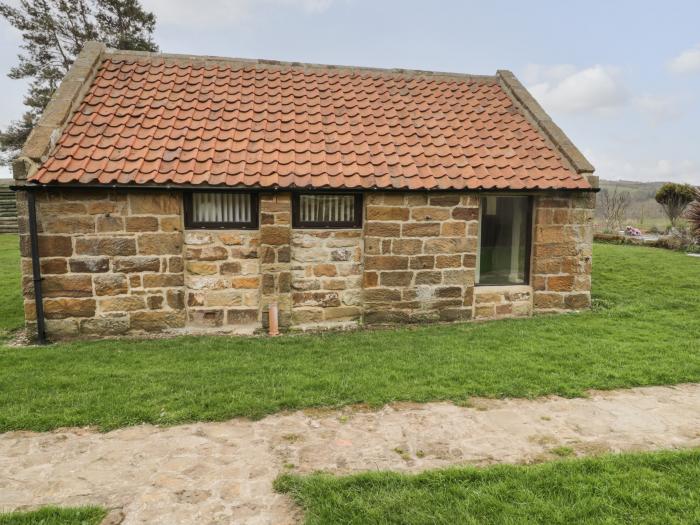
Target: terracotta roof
{"x": 152, "y": 120}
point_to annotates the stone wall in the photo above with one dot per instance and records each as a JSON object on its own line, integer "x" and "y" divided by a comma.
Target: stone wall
{"x": 116, "y": 262}
{"x": 494, "y": 302}
{"x": 276, "y": 255}
{"x": 326, "y": 276}
{"x": 562, "y": 252}
{"x": 419, "y": 256}
{"x": 111, "y": 262}
{"x": 222, "y": 278}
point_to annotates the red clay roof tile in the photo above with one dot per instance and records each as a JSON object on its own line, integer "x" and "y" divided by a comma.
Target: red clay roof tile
{"x": 145, "y": 121}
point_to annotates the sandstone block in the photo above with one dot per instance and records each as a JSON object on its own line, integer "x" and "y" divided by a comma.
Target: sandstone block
{"x": 465, "y": 214}
{"x": 89, "y": 265}
{"x": 65, "y": 308}
{"x": 136, "y": 264}
{"x": 341, "y": 313}
{"x": 548, "y": 300}
{"x": 385, "y": 213}
{"x": 453, "y": 229}
{"x": 67, "y": 286}
{"x": 445, "y": 199}
{"x": 381, "y": 295}
{"x": 175, "y": 299}
{"x": 320, "y": 299}
{"x": 197, "y": 238}
{"x": 275, "y": 235}
{"x": 105, "y": 246}
{"x": 154, "y": 302}
{"x": 395, "y": 278}
{"x": 578, "y": 301}
{"x": 422, "y": 262}
{"x": 341, "y": 254}
{"x": 448, "y": 261}
{"x": 560, "y": 283}
{"x": 460, "y": 277}
{"x": 68, "y": 224}
{"x": 110, "y": 223}
{"x": 386, "y": 317}
{"x": 242, "y": 316}
{"x": 446, "y": 245}
{"x": 51, "y": 266}
{"x": 430, "y": 214}
{"x": 160, "y": 243}
{"x": 206, "y": 318}
{"x": 382, "y": 229}
{"x": 151, "y": 203}
{"x": 141, "y": 224}
{"x": 175, "y": 264}
{"x": 110, "y": 284}
{"x": 421, "y": 229}
{"x": 230, "y": 268}
{"x": 325, "y": 270}
{"x": 171, "y": 224}
{"x": 163, "y": 280}
{"x": 386, "y": 262}
{"x": 448, "y": 292}
{"x": 157, "y": 320}
{"x": 245, "y": 282}
{"x": 370, "y": 279}
{"x": 202, "y": 268}
{"x": 406, "y": 246}
{"x": 231, "y": 239}
{"x": 455, "y": 314}
{"x": 125, "y": 303}
{"x": 428, "y": 277}
{"x": 49, "y": 246}
{"x": 105, "y": 326}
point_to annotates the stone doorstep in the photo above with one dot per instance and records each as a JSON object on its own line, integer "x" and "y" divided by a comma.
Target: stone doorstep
{"x": 325, "y": 326}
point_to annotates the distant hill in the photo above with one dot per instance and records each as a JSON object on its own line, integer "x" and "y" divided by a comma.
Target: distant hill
{"x": 643, "y": 212}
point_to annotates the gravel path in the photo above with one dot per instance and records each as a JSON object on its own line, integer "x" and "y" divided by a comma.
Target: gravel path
{"x": 222, "y": 473}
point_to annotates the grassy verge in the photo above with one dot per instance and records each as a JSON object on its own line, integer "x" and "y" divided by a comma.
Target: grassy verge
{"x": 643, "y": 331}
{"x": 638, "y": 488}
{"x": 55, "y": 516}
{"x": 11, "y": 313}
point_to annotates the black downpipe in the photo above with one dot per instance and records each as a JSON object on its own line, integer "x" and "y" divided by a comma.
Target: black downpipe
{"x": 36, "y": 270}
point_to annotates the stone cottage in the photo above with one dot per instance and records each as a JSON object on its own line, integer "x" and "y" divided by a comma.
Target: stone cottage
{"x": 182, "y": 193}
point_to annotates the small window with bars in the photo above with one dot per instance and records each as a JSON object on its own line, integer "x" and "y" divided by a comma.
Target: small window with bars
{"x": 327, "y": 210}
{"x": 221, "y": 209}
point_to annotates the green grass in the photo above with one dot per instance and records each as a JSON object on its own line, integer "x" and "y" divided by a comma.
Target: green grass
{"x": 11, "y": 313}
{"x": 55, "y": 516}
{"x": 642, "y": 331}
{"x": 659, "y": 488}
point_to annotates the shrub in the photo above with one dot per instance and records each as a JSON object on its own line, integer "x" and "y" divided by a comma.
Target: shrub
{"x": 693, "y": 215}
{"x": 674, "y": 198}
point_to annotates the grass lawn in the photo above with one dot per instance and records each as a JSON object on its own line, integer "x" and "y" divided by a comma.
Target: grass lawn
{"x": 658, "y": 488}
{"x": 55, "y": 516}
{"x": 11, "y": 313}
{"x": 643, "y": 331}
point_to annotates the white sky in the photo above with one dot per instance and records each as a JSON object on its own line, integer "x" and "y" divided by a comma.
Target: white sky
{"x": 621, "y": 78}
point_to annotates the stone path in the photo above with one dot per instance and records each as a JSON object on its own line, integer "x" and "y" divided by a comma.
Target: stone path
{"x": 222, "y": 473}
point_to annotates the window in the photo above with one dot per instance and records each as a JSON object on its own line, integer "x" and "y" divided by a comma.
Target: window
{"x": 222, "y": 209}
{"x": 327, "y": 210}
{"x": 504, "y": 245}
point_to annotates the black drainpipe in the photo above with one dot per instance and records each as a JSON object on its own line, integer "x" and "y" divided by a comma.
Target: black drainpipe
{"x": 36, "y": 270}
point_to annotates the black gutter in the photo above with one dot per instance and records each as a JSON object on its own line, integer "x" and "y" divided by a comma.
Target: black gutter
{"x": 36, "y": 270}
{"x": 202, "y": 187}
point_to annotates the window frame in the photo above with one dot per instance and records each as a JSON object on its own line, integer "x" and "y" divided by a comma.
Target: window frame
{"x": 321, "y": 225}
{"x": 528, "y": 239}
{"x": 191, "y": 224}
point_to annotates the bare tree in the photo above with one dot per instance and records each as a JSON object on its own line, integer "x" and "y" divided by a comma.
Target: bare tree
{"x": 614, "y": 207}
